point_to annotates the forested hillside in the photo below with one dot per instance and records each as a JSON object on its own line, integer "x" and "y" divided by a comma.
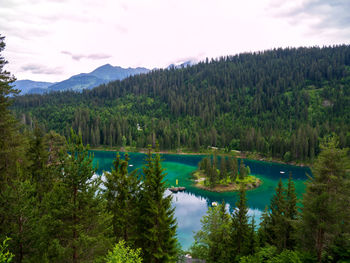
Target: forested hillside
{"x": 279, "y": 103}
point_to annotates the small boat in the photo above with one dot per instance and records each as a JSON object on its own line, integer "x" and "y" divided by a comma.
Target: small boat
{"x": 214, "y": 204}
{"x": 282, "y": 172}
{"x": 131, "y": 165}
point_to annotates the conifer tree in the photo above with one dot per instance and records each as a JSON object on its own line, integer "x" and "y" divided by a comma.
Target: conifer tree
{"x": 15, "y": 188}
{"x": 291, "y": 213}
{"x": 212, "y": 242}
{"x": 122, "y": 194}
{"x": 223, "y": 167}
{"x": 278, "y": 219}
{"x": 240, "y": 227}
{"x": 243, "y": 171}
{"x": 157, "y": 224}
{"x": 264, "y": 231}
{"x": 74, "y": 225}
{"x": 325, "y": 213}
{"x": 38, "y": 158}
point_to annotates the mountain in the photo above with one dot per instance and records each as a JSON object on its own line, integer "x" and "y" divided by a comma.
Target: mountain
{"x": 183, "y": 64}
{"x": 280, "y": 103}
{"x": 108, "y": 72}
{"x": 100, "y": 75}
{"x": 31, "y": 87}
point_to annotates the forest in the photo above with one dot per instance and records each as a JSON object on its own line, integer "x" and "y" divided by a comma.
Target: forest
{"x": 279, "y": 103}
{"x": 53, "y": 208}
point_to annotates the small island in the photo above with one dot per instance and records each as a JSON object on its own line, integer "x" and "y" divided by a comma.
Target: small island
{"x": 227, "y": 176}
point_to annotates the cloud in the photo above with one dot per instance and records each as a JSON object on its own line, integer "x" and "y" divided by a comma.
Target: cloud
{"x": 322, "y": 14}
{"x": 78, "y": 57}
{"x": 41, "y": 69}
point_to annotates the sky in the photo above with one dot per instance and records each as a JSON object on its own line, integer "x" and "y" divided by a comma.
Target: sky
{"x": 51, "y": 40}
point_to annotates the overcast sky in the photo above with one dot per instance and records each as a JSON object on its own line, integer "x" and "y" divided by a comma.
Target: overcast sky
{"x": 50, "y": 40}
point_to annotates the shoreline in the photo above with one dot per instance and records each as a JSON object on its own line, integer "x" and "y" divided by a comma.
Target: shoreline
{"x": 198, "y": 179}
{"x": 237, "y": 154}
{"x": 228, "y": 188}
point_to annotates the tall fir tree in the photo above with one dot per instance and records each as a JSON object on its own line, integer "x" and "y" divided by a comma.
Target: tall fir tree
{"x": 326, "y": 212}
{"x": 74, "y": 225}
{"x": 212, "y": 242}
{"x": 240, "y": 228}
{"x": 278, "y": 220}
{"x": 122, "y": 194}
{"x": 157, "y": 224}
{"x": 291, "y": 213}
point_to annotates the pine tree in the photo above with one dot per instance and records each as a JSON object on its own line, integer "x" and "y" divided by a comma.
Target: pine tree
{"x": 157, "y": 225}
{"x": 15, "y": 188}
{"x": 38, "y": 158}
{"x": 291, "y": 213}
{"x": 325, "y": 213}
{"x": 223, "y": 166}
{"x": 243, "y": 171}
{"x": 74, "y": 225}
{"x": 278, "y": 219}
{"x": 264, "y": 231}
{"x": 212, "y": 242}
{"x": 240, "y": 228}
{"x": 122, "y": 194}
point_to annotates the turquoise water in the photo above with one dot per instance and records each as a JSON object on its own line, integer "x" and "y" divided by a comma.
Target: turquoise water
{"x": 192, "y": 204}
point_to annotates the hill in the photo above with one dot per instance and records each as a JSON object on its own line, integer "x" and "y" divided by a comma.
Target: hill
{"x": 100, "y": 75}
{"x": 279, "y": 103}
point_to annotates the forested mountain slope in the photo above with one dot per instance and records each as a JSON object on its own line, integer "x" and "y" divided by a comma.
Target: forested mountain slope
{"x": 279, "y": 103}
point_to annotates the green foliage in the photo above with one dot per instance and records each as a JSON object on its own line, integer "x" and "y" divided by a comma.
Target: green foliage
{"x": 75, "y": 227}
{"x": 122, "y": 194}
{"x": 269, "y": 255}
{"x": 241, "y": 234}
{"x": 325, "y": 212}
{"x": 5, "y": 255}
{"x": 212, "y": 242}
{"x": 278, "y": 103}
{"x": 121, "y": 253}
{"x": 157, "y": 223}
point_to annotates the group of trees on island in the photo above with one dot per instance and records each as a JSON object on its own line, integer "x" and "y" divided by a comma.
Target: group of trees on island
{"x": 225, "y": 172}
{"x": 279, "y": 103}
{"x": 316, "y": 231}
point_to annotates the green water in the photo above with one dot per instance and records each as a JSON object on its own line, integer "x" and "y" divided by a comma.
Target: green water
{"x": 192, "y": 204}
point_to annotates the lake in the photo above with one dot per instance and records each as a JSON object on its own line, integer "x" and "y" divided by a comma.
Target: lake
{"x": 192, "y": 204}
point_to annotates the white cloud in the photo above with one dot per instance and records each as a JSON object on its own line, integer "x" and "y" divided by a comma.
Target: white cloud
{"x": 157, "y": 33}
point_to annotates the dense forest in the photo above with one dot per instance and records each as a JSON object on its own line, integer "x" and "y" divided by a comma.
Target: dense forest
{"x": 54, "y": 209}
{"x": 278, "y": 103}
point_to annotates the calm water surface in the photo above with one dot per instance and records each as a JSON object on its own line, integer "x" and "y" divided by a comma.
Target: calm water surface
{"x": 193, "y": 204}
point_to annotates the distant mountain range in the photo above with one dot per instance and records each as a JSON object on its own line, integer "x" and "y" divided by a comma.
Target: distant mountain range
{"x": 101, "y": 75}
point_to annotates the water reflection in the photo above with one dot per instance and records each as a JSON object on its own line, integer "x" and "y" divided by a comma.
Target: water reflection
{"x": 191, "y": 205}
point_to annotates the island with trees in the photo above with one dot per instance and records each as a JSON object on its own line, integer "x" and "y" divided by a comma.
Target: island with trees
{"x": 229, "y": 175}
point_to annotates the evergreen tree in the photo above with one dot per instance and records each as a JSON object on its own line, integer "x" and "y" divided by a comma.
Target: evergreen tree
{"x": 15, "y": 188}
{"x": 243, "y": 171}
{"x": 157, "y": 225}
{"x": 212, "y": 242}
{"x": 325, "y": 213}
{"x": 232, "y": 168}
{"x": 264, "y": 231}
{"x": 278, "y": 219}
{"x": 291, "y": 213}
{"x": 122, "y": 194}
{"x": 38, "y": 158}
{"x": 240, "y": 228}
{"x": 223, "y": 167}
{"x": 74, "y": 225}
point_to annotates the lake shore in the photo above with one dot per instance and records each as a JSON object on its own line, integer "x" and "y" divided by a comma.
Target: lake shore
{"x": 251, "y": 182}
{"x": 237, "y": 154}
